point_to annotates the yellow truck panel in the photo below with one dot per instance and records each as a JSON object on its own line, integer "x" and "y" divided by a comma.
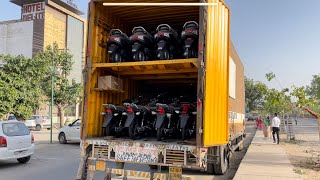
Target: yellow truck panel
{"x": 216, "y": 77}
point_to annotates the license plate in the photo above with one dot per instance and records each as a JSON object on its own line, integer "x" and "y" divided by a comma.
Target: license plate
{"x": 19, "y": 152}
{"x": 175, "y": 173}
{"x": 100, "y": 166}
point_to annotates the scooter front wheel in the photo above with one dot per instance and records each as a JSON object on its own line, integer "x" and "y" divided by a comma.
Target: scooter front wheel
{"x": 139, "y": 56}
{"x": 107, "y": 130}
{"x": 116, "y": 57}
{"x": 132, "y": 131}
{"x": 159, "y": 133}
{"x": 183, "y": 134}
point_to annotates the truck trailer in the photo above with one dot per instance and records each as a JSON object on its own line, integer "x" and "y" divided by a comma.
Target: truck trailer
{"x": 216, "y": 75}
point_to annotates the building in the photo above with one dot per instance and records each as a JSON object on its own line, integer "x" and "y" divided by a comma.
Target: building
{"x": 42, "y": 23}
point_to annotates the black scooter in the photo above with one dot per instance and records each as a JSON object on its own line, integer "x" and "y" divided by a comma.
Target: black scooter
{"x": 167, "y": 41}
{"x": 142, "y": 44}
{"x": 118, "y": 46}
{"x": 112, "y": 117}
{"x": 187, "y": 119}
{"x": 167, "y": 120}
{"x": 190, "y": 38}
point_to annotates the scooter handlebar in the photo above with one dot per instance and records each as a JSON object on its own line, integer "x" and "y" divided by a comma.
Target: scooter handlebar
{"x": 190, "y": 22}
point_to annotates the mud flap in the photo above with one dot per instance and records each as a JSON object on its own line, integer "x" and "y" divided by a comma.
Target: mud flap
{"x": 107, "y": 119}
{"x": 129, "y": 120}
{"x": 183, "y": 121}
{"x": 160, "y": 120}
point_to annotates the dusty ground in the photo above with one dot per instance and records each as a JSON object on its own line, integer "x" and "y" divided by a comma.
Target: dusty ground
{"x": 304, "y": 155}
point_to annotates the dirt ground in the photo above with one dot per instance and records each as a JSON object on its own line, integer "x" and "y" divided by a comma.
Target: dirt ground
{"x": 304, "y": 155}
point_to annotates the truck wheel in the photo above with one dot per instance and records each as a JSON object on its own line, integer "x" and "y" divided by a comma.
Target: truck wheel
{"x": 223, "y": 163}
{"x": 86, "y": 166}
{"x": 38, "y": 127}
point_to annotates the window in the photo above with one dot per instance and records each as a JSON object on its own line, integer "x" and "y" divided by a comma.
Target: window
{"x": 232, "y": 78}
{"x": 15, "y": 129}
{"x": 77, "y": 123}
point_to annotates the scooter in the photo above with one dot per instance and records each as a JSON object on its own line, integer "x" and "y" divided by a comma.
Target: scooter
{"x": 190, "y": 38}
{"x": 118, "y": 46}
{"x": 167, "y": 41}
{"x": 142, "y": 44}
{"x": 187, "y": 119}
{"x": 112, "y": 116}
{"x": 167, "y": 121}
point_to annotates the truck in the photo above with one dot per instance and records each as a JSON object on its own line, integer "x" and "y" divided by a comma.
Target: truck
{"x": 217, "y": 75}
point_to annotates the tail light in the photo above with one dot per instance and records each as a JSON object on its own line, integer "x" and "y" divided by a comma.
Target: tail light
{"x": 161, "y": 110}
{"x": 32, "y": 139}
{"x": 3, "y": 142}
{"x": 185, "y": 107}
{"x": 129, "y": 110}
{"x": 108, "y": 110}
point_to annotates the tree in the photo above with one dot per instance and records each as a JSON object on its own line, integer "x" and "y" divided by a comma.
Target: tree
{"x": 20, "y": 90}
{"x": 65, "y": 92}
{"x": 254, "y": 94}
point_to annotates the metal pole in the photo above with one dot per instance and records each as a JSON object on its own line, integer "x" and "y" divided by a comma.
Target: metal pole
{"x": 51, "y": 104}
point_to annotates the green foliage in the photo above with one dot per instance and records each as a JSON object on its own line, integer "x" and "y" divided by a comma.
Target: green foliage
{"x": 20, "y": 90}
{"x": 270, "y": 76}
{"x": 65, "y": 92}
{"x": 254, "y": 94}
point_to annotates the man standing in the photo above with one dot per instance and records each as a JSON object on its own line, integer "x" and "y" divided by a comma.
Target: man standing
{"x": 275, "y": 127}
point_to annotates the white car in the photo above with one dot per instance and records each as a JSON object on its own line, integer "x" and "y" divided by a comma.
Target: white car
{"x": 70, "y": 132}
{"x": 16, "y": 141}
{"x": 37, "y": 122}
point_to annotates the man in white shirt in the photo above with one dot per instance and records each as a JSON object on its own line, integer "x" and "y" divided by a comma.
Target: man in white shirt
{"x": 275, "y": 127}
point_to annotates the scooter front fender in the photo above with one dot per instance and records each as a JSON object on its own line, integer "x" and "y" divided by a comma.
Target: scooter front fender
{"x": 183, "y": 121}
{"x": 129, "y": 120}
{"x": 160, "y": 119}
{"x": 107, "y": 119}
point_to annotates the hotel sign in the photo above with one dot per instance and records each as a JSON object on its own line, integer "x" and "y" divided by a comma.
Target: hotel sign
{"x": 33, "y": 11}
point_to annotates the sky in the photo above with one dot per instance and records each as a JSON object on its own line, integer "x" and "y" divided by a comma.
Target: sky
{"x": 282, "y": 36}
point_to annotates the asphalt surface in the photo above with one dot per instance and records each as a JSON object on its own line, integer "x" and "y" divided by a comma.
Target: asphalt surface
{"x": 56, "y": 161}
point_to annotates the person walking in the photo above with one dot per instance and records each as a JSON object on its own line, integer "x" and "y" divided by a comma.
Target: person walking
{"x": 260, "y": 120}
{"x": 266, "y": 127}
{"x": 275, "y": 127}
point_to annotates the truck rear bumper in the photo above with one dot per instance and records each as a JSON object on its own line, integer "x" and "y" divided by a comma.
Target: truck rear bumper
{"x": 150, "y": 153}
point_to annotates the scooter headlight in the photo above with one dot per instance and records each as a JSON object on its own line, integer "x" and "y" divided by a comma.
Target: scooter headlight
{"x": 183, "y": 33}
{"x": 137, "y": 113}
{"x": 153, "y": 113}
{"x": 168, "y": 115}
{"x": 116, "y": 39}
{"x": 109, "y": 52}
{"x": 141, "y": 38}
{"x": 166, "y": 34}
{"x": 177, "y": 112}
{"x": 115, "y": 114}
{"x": 103, "y": 113}
{"x": 194, "y": 113}
{"x": 124, "y": 113}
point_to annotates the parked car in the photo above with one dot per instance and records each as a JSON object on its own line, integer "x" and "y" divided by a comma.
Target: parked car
{"x": 16, "y": 141}
{"x": 70, "y": 132}
{"x": 11, "y": 117}
{"x": 37, "y": 122}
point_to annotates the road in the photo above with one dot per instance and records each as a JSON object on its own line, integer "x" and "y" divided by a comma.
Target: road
{"x": 56, "y": 161}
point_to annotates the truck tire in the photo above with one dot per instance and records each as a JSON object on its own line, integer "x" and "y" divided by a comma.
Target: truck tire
{"x": 222, "y": 166}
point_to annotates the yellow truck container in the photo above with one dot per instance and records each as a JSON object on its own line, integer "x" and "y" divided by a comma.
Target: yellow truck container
{"x": 217, "y": 75}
